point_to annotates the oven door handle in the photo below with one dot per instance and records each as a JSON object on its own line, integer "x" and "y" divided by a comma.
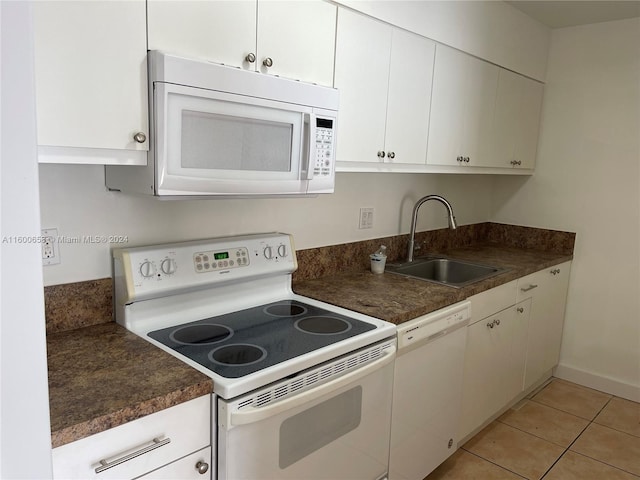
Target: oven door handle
{"x": 251, "y": 414}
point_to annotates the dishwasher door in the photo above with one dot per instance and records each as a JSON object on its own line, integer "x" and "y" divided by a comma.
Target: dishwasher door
{"x": 427, "y": 391}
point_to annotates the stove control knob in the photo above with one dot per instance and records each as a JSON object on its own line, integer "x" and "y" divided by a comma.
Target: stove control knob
{"x": 268, "y": 252}
{"x": 282, "y": 251}
{"x": 168, "y": 266}
{"x": 147, "y": 269}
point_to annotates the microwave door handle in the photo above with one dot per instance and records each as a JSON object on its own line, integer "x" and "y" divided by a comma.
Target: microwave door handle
{"x": 252, "y": 415}
{"x": 308, "y": 118}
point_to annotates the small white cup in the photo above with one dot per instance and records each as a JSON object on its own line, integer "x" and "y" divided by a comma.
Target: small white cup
{"x": 377, "y": 262}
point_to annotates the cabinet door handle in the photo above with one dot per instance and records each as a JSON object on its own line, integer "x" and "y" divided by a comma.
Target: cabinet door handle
{"x": 140, "y": 137}
{"x": 391, "y": 155}
{"x": 251, "y": 57}
{"x": 520, "y": 310}
{"x": 466, "y": 159}
{"x": 268, "y": 62}
{"x": 497, "y": 321}
{"x": 381, "y": 154}
{"x": 490, "y": 324}
{"x": 157, "y": 443}
{"x": 530, "y": 287}
{"x": 202, "y": 467}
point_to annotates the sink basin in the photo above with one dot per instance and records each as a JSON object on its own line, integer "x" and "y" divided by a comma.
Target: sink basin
{"x": 446, "y": 271}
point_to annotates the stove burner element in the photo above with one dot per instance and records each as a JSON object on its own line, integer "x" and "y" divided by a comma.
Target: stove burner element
{"x": 323, "y": 325}
{"x": 285, "y": 310}
{"x": 201, "y": 334}
{"x": 237, "y": 354}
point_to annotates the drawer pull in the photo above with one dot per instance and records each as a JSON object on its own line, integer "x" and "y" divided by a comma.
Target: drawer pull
{"x": 530, "y": 287}
{"x": 157, "y": 443}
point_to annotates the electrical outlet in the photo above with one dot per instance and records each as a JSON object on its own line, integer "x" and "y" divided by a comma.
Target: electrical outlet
{"x": 50, "y": 251}
{"x": 366, "y": 218}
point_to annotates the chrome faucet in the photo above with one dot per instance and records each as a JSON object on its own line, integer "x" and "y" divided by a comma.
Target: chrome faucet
{"x": 414, "y": 220}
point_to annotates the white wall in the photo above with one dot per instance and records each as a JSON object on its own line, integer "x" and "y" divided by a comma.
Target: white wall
{"x": 74, "y": 200}
{"x": 587, "y": 180}
{"x": 492, "y": 30}
{"x": 25, "y": 437}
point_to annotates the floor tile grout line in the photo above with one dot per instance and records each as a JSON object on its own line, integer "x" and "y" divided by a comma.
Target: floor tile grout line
{"x": 566, "y": 449}
{"x": 604, "y": 463}
{"x": 584, "y": 455}
{"x": 493, "y": 463}
{"x": 539, "y": 437}
{"x": 615, "y": 429}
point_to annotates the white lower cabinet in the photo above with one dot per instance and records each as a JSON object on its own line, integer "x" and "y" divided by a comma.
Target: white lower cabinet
{"x": 513, "y": 343}
{"x": 547, "y": 290}
{"x": 494, "y": 364}
{"x": 178, "y": 438}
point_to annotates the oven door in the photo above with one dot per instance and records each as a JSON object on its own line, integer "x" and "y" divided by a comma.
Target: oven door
{"x": 339, "y": 429}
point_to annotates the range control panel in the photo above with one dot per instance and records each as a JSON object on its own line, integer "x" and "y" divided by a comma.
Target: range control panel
{"x": 221, "y": 259}
{"x": 157, "y": 270}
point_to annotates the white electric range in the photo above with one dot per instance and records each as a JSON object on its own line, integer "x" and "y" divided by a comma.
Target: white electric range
{"x": 302, "y": 388}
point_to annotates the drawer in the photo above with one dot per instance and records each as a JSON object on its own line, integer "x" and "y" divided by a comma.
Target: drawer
{"x": 178, "y": 431}
{"x": 492, "y": 301}
{"x": 185, "y": 469}
{"x": 528, "y": 285}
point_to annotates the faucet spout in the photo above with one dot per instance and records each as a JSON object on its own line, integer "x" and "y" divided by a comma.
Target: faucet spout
{"x": 414, "y": 220}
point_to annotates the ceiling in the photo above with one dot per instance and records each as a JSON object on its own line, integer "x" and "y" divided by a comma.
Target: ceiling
{"x": 561, "y": 13}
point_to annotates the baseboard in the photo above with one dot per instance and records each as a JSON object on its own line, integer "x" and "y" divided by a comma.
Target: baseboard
{"x": 598, "y": 382}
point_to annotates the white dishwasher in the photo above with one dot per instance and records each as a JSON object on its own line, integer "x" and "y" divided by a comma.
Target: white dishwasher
{"x": 427, "y": 391}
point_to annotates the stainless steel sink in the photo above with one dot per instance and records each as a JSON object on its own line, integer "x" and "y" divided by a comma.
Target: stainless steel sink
{"x": 446, "y": 271}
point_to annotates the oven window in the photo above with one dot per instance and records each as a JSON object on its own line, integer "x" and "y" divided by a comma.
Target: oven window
{"x": 318, "y": 426}
{"x": 225, "y": 142}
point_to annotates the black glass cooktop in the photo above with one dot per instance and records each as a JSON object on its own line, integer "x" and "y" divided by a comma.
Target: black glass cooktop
{"x": 243, "y": 342}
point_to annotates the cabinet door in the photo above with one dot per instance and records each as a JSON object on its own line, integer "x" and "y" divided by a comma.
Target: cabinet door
{"x": 485, "y": 362}
{"x": 481, "y": 85}
{"x": 91, "y": 73}
{"x": 547, "y": 321}
{"x": 447, "y": 107}
{"x": 363, "y": 49}
{"x": 409, "y": 98}
{"x": 518, "y": 355}
{"x": 516, "y": 121}
{"x": 215, "y": 30}
{"x": 299, "y": 38}
{"x": 526, "y": 140}
{"x": 494, "y": 365}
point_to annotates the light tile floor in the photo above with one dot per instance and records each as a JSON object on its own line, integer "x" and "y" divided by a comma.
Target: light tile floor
{"x": 564, "y": 432}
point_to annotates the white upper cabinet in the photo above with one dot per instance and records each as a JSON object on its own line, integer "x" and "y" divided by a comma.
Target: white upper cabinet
{"x": 91, "y": 74}
{"x": 220, "y": 31}
{"x": 297, "y": 38}
{"x": 294, "y": 39}
{"x": 462, "y": 109}
{"x": 516, "y": 122}
{"x": 384, "y": 76}
{"x": 409, "y": 98}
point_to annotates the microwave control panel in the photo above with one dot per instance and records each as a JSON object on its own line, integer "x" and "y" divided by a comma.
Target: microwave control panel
{"x": 324, "y": 147}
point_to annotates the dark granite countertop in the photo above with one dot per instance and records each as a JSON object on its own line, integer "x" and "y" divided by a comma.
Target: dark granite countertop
{"x": 102, "y": 376}
{"x": 397, "y": 299}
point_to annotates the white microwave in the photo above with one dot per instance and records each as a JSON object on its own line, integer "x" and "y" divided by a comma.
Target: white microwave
{"x": 223, "y": 131}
